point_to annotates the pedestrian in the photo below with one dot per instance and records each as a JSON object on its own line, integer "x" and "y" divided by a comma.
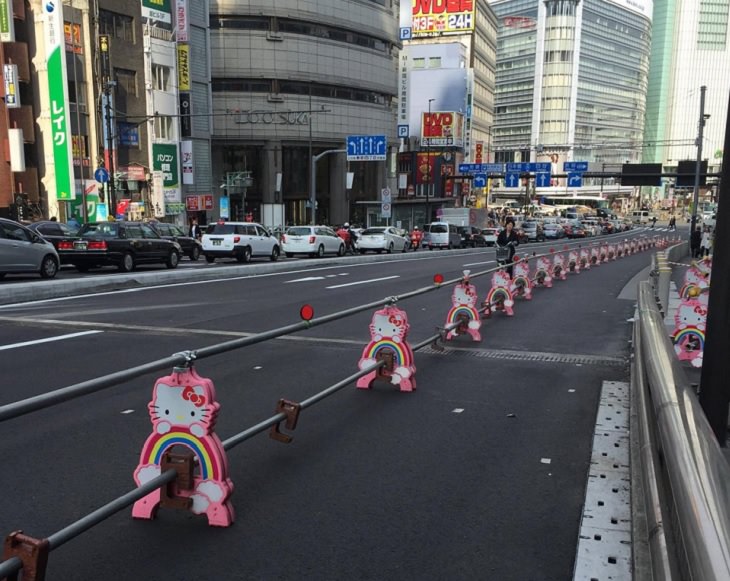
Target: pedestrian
{"x": 672, "y": 223}
{"x": 695, "y": 241}
{"x": 508, "y": 237}
{"x": 54, "y": 219}
{"x": 195, "y": 230}
{"x": 352, "y": 236}
{"x": 706, "y": 243}
{"x": 653, "y": 222}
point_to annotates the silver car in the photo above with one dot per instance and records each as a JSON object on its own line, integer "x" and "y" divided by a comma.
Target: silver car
{"x": 22, "y": 250}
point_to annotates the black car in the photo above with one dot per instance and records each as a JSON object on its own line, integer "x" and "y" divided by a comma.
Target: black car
{"x": 471, "y": 237}
{"x": 52, "y": 231}
{"x": 191, "y": 247}
{"x": 120, "y": 244}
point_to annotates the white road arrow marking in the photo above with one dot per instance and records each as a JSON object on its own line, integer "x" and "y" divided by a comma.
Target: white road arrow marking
{"x": 48, "y": 340}
{"x": 363, "y": 281}
{"x": 305, "y": 279}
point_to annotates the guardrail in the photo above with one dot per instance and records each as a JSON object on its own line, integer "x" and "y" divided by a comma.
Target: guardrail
{"x": 688, "y": 494}
{"x": 30, "y": 554}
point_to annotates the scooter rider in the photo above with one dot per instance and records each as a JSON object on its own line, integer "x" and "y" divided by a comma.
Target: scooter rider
{"x": 416, "y": 238}
{"x": 508, "y": 237}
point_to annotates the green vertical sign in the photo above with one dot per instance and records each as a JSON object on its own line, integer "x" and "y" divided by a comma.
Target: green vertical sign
{"x": 58, "y": 98}
{"x": 7, "y": 29}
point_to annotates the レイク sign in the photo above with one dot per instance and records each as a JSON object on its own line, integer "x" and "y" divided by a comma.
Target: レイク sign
{"x": 442, "y": 17}
{"x": 58, "y": 98}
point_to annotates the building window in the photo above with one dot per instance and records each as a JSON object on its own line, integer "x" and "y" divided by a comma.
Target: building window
{"x": 77, "y": 94}
{"x": 126, "y": 82}
{"x": 434, "y": 62}
{"x": 163, "y": 127}
{"x": 419, "y": 63}
{"x": 117, "y": 25}
{"x": 160, "y": 77}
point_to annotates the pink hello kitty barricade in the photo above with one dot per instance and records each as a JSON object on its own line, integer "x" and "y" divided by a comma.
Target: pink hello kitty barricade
{"x": 585, "y": 258}
{"x": 464, "y": 310}
{"x": 499, "y": 297}
{"x": 612, "y": 252}
{"x": 521, "y": 283}
{"x": 574, "y": 261}
{"x": 183, "y": 412}
{"x": 595, "y": 256}
{"x": 559, "y": 269}
{"x": 389, "y": 340}
{"x": 603, "y": 252}
{"x": 689, "y": 330}
{"x": 543, "y": 272}
{"x": 695, "y": 281}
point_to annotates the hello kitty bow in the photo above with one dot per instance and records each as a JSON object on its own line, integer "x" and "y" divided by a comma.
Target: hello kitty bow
{"x": 189, "y": 394}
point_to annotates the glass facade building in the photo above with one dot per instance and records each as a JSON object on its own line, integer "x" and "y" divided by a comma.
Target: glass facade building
{"x": 572, "y": 78}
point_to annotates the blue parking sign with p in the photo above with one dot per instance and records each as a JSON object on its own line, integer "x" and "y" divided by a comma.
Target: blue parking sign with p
{"x": 405, "y": 33}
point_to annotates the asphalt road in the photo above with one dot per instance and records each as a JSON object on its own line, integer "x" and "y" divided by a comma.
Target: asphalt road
{"x": 478, "y": 474}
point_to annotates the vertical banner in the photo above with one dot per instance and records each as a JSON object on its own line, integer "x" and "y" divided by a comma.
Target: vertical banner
{"x": 186, "y": 155}
{"x": 183, "y": 67}
{"x": 181, "y": 20}
{"x": 164, "y": 159}
{"x": 10, "y": 82}
{"x": 186, "y": 129}
{"x": 7, "y": 28}
{"x": 403, "y": 129}
{"x": 158, "y": 194}
{"x": 58, "y": 98}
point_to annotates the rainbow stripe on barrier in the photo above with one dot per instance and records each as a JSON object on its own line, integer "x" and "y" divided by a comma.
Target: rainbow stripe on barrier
{"x": 686, "y": 333}
{"x": 157, "y": 444}
{"x": 388, "y": 345}
{"x": 454, "y": 313}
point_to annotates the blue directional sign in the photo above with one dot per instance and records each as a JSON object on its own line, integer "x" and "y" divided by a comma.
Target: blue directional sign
{"x": 542, "y": 179}
{"x": 511, "y": 179}
{"x": 366, "y": 148}
{"x": 575, "y": 179}
{"x": 101, "y": 175}
{"x": 575, "y": 166}
{"x": 468, "y": 167}
{"x": 480, "y": 180}
{"x": 541, "y": 167}
{"x": 493, "y": 167}
{"x": 529, "y": 167}
{"x": 518, "y": 167}
{"x": 481, "y": 168}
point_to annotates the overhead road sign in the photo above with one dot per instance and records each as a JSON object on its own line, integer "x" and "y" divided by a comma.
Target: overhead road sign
{"x": 481, "y": 168}
{"x": 575, "y": 166}
{"x": 366, "y": 148}
{"x": 540, "y": 167}
{"x": 512, "y": 179}
{"x": 542, "y": 179}
{"x": 641, "y": 174}
{"x": 575, "y": 179}
{"x": 480, "y": 180}
{"x": 686, "y": 173}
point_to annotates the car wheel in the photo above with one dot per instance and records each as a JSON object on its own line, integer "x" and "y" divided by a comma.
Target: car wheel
{"x": 405, "y": 247}
{"x": 244, "y": 255}
{"x": 173, "y": 259}
{"x": 127, "y": 263}
{"x": 195, "y": 253}
{"x": 362, "y": 251}
{"x": 209, "y": 259}
{"x": 341, "y": 250}
{"x": 320, "y": 251}
{"x": 274, "y": 254}
{"x": 49, "y": 267}
{"x": 290, "y": 255}
{"x": 390, "y": 248}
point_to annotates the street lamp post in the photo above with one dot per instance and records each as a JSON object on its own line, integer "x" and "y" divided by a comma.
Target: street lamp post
{"x": 698, "y": 166}
{"x": 428, "y": 165}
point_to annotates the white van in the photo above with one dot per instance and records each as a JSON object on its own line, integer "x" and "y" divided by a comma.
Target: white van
{"x": 443, "y": 235}
{"x": 641, "y": 216}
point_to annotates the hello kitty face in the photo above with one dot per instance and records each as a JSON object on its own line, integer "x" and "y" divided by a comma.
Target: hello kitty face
{"x": 500, "y": 278}
{"x": 182, "y": 406}
{"x": 521, "y": 269}
{"x": 464, "y": 295}
{"x": 391, "y": 323}
{"x": 543, "y": 263}
{"x": 696, "y": 277}
{"x": 558, "y": 260}
{"x": 691, "y": 313}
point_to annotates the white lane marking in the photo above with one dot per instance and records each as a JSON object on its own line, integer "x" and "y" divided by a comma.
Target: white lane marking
{"x": 477, "y": 263}
{"x": 545, "y": 460}
{"x": 363, "y": 281}
{"x": 127, "y": 412}
{"x": 305, "y": 279}
{"x": 48, "y": 340}
{"x": 457, "y": 410}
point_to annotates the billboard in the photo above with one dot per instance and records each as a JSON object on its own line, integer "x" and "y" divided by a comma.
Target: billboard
{"x": 158, "y": 10}
{"x": 442, "y": 17}
{"x": 442, "y": 128}
{"x": 164, "y": 159}
{"x": 58, "y": 98}
{"x": 186, "y": 153}
{"x": 181, "y": 20}
{"x": 7, "y": 28}
{"x": 183, "y": 67}
{"x": 10, "y": 82}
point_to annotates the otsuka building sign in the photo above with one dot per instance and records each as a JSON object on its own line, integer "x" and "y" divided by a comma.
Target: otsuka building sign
{"x": 442, "y": 129}
{"x": 442, "y": 17}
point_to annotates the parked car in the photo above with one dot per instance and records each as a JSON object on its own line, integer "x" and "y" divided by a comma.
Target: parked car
{"x": 311, "y": 240}
{"x": 490, "y": 235}
{"x": 191, "y": 247}
{"x": 121, "y": 244}
{"x": 381, "y": 238}
{"x": 53, "y": 231}
{"x": 574, "y": 229}
{"x": 534, "y": 230}
{"x": 554, "y": 230}
{"x": 471, "y": 237}
{"x": 443, "y": 235}
{"x": 22, "y": 251}
{"x": 239, "y": 240}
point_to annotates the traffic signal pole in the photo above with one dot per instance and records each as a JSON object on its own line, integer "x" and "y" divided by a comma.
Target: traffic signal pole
{"x": 698, "y": 167}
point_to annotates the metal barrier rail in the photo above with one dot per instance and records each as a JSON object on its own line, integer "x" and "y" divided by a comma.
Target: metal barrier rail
{"x": 13, "y": 565}
{"x": 698, "y": 474}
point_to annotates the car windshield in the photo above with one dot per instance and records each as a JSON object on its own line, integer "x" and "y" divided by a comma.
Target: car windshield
{"x": 221, "y": 229}
{"x": 299, "y": 231}
{"x": 373, "y": 232}
{"x": 439, "y": 229}
{"x": 103, "y": 229}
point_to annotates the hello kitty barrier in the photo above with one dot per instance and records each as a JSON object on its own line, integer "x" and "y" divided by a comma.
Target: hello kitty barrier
{"x": 573, "y": 262}
{"x": 559, "y": 269}
{"x": 543, "y": 272}
{"x": 585, "y": 258}
{"x": 464, "y": 310}
{"x": 183, "y": 412}
{"x": 595, "y": 256}
{"x": 689, "y": 330}
{"x": 695, "y": 281}
{"x": 499, "y": 297}
{"x": 389, "y": 341}
{"x": 521, "y": 283}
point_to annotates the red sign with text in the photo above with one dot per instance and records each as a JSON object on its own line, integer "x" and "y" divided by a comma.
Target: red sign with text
{"x": 479, "y": 152}
{"x": 192, "y": 203}
{"x": 208, "y": 202}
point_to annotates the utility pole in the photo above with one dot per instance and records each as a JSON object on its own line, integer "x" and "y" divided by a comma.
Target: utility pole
{"x": 714, "y": 389}
{"x": 110, "y": 147}
{"x": 698, "y": 166}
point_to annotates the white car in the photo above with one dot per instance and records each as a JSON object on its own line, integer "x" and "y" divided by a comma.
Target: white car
{"x": 239, "y": 240}
{"x": 383, "y": 238}
{"x": 311, "y": 240}
{"x": 25, "y": 251}
{"x": 490, "y": 235}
